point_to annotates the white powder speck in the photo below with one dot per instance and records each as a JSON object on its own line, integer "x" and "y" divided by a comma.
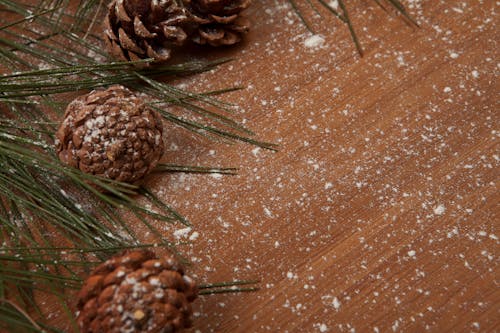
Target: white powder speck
{"x": 194, "y": 236}
{"x": 314, "y": 41}
{"x": 395, "y": 326}
{"x": 216, "y": 175}
{"x": 334, "y": 4}
{"x": 475, "y": 74}
{"x": 411, "y": 253}
{"x": 173, "y": 147}
{"x": 182, "y": 232}
{"x": 439, "y": 210}
{"x": 328, "y": 185}
{"x": 401, "y": 60}
{"x": 323, "y": 328}
{"x": 289, "y": 275}
{"x": 155, "y": 282}
{"x": 447, "y": 89}
{"x": 452, "y": 233}
{"x": 268, "y": 212}
{"x": 255, "y": 151}
{"x": 454, "y": 55}
{"x": 130, "y": 280}
{"x": 187, "y": 279}
{"x": 336, "y": 303}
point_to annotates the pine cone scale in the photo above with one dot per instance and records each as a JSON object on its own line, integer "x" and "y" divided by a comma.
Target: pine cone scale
{"x": 121, "y": 12}
{"x": 224, "y": 19}
{"x": 220, "y": 21}
{"x": 141, "y": 30}
{"x": 127, "y": 43}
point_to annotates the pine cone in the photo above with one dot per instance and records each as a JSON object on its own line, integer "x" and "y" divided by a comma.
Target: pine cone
{"x": 139, "y": 29}
{"x": 111, "y": 133}
{"x": 136, "y": 292}
{"x": 219, "y": 21}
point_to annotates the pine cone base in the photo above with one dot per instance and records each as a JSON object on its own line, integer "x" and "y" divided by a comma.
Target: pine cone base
{"x": 140, "y": 29}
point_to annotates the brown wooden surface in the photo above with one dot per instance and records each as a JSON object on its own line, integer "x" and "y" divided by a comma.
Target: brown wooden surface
{"x": 379, "y": 212}
{"x": 344, "y": 224}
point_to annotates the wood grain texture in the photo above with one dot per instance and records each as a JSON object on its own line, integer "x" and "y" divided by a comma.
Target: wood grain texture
{"x": 379, "y": 212}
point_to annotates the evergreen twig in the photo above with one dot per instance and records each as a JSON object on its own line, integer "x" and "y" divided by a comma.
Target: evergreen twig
{"x": 49, "y": 235}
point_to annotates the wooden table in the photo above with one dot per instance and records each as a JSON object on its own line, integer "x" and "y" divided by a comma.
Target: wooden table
{"x": 379, "y": 212}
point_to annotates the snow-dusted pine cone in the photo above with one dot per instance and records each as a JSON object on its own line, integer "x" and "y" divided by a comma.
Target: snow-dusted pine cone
{"x": 111, "y": 133}
{"x": 139, "y": 29}
{"x": 136, "y": 292}
{"x": 219, "y": 21}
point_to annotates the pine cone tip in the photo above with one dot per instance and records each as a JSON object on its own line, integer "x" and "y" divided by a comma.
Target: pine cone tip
{"x": 136, "y": 292}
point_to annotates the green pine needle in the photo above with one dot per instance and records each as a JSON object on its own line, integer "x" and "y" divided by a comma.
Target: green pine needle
{"x": 195, "y": 169}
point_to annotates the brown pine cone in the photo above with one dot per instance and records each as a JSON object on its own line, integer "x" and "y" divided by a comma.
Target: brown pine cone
{"x": 136, "y": 292}
{"x": 111, "y": 133}
{"x": 139, "y": 29}
{"x": 219, "y": 21}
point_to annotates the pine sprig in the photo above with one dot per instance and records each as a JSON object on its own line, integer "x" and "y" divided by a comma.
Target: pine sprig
{"x": 50, "y": 267}
{"x": 57, "y": 222}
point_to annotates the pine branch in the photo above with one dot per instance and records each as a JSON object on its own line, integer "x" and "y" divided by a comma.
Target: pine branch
{"x": 57, "y": 222}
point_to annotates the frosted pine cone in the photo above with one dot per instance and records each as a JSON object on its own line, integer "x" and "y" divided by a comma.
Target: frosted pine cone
{"x": 139, "y": 29}
{"x": 111, "y": 133}
{"x": 220, "y": 21}
{"x": 136, "y": 292}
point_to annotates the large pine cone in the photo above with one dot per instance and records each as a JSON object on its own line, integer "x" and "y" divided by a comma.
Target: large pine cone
{"x": 219, "y": 21}
{"x": 111, "y": 133}
{"x": 136, "y": 292}
{"x": 139, "y": 29}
